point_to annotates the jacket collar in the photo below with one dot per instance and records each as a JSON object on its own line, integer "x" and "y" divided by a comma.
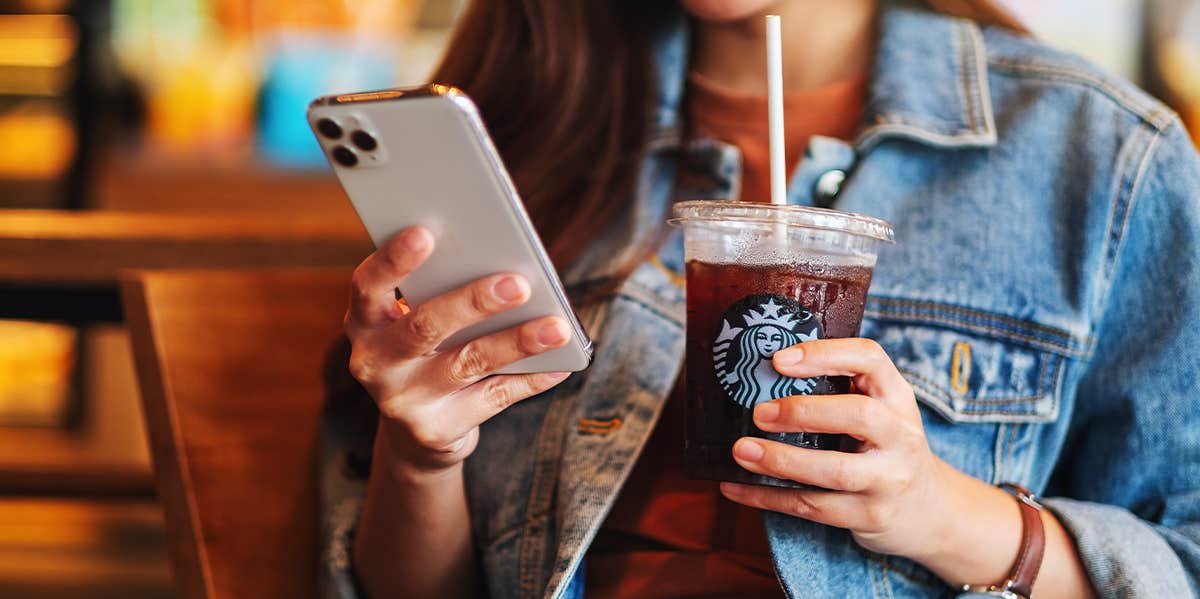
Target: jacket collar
{"x": 929, "y": 80}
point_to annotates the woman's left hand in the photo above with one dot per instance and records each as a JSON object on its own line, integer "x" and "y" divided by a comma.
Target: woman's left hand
{"x": 888, "y": 494}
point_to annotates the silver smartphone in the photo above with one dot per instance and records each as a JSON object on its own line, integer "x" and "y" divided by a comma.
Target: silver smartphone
{"x": 423, "y": 157}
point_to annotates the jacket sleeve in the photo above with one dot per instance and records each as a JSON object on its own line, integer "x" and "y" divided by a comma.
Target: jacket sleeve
{"x": 343, "y": 465}
{"x": 1131, "y": 466}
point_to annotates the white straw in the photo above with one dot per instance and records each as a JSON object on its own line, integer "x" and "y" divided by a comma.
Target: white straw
{"x": 775, "y": 110}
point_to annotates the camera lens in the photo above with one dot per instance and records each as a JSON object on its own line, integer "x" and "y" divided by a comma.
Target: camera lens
{"x": 364, "y": 141}
{"x": 329, "y": 128}
{"x": 344, "y": 156}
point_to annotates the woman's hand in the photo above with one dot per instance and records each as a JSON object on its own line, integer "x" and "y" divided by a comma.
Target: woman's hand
{"x": 432, "y": 402}
{"x": 888, "y": 494}
{"x": 895, "y": 496}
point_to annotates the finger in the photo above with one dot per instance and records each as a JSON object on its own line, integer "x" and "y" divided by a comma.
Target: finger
{"x": 478, "y": 403}
{"x": 431, "y": 322}
{"x": 870, "y": 368}
{"x": 833, "y": 470}
{"x": 825, "y": 507}
{"x": 372, "y": 288}
{"x": 452, "y": 370}
{"x": 859, "y": 416}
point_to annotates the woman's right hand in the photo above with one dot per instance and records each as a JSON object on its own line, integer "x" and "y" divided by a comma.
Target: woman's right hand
{"x": 432, "y": 402}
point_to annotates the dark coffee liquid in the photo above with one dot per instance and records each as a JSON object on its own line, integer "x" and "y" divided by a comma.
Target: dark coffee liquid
{"x": 748, "y": 312}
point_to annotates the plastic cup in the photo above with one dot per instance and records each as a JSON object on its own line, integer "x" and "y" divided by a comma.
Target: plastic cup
{"x": 761, "y": 277}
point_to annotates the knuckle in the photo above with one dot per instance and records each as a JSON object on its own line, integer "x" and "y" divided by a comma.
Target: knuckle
{"x": 500, "y": 393}
{"x": 362, "y": 367}
{"x": 878, "y": 516}
{"x": 423, "y": 327}
{"x": 479, "y": 300}
{"x": 843, "y": 476}
{"x": 527, "y": 339}
{"x": 793, "y": 409}
{"x": 799, "y": 504}
{"x": 359, "y": 285}
{"x": 862, "y": 414}
{"x": 469, "y": 363}
{"x": 391, "y": 254}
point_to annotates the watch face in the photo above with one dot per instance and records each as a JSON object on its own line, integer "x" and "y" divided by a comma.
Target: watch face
{"x": 987, "y": 595}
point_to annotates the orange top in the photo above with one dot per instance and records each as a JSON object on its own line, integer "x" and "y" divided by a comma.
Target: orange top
{"x": 832, "y": 111}
{"x": 667, "y": 535}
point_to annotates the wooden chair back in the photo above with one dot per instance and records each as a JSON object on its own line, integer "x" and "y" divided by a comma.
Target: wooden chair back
{"x": 229, "y": 364}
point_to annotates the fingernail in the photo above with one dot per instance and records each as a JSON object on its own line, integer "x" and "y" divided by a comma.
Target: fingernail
{"x": 748, "y": 450}
{"x": 551, "y": 334}
{"x": 508, "y": 289}
{"x": 789, "y": 357}
{"x": 416, "y": 240}
{"x": 767, "y": 411}
{"x": 732, "y": 489}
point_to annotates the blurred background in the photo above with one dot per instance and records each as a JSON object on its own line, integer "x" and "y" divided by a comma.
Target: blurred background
{"x": 139, "y": 133}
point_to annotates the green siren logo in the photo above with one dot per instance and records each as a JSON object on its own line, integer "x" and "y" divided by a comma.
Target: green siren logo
{"x": 752, "y": 330}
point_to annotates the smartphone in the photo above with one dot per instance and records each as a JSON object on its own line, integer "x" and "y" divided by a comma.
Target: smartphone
{"x": 422, "y": 156}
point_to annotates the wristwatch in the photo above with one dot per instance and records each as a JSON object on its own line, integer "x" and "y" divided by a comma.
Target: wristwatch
{"x": 1019, "y": 584}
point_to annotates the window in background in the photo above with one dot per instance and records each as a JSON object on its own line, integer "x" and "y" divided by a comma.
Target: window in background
{"x": 38, "y": 53}
{"x": 230, "y": 79}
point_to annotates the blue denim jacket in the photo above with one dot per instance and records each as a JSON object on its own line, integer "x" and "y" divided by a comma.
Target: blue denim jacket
{"x": 1042, "y": 298}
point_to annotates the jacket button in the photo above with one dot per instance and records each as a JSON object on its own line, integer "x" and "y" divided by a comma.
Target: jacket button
{"x": 828, "y": 185}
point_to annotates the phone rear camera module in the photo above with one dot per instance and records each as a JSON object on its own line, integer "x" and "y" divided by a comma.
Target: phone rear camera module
{"x": 364, "y": 141}
{"x": 345, "y": 156}
{"x": 329, "y": 128}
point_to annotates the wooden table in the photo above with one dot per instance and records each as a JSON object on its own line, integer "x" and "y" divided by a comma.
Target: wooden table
{"x": 64, "y": 265}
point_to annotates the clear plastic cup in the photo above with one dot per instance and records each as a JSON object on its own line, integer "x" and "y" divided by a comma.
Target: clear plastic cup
{"x": 761, "y": 277}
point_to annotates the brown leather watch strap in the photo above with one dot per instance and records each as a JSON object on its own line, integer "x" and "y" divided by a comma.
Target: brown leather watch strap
{"x": 1033, "y": 543}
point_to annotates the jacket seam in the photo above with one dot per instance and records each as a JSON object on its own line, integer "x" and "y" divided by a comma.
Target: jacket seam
{"x": 968, "y": 98}
{"x": 980, "y": 328}
{"x": 982, "y": 314}
{"x": 997, "y": 401}
{"x": 504, "y": 533}
{"x": 943, "y": 401}
{"x": 541, "y": 498}
{"x": 1156, "y": 117}
{"x": 1123, "y": 207}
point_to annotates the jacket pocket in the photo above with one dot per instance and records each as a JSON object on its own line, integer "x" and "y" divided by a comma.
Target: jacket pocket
{"x": 972, "y": 366}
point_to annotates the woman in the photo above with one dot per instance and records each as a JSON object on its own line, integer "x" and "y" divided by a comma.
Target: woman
{"x": 1035, "y": 323}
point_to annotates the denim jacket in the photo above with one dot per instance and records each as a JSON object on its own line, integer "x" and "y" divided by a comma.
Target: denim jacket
{"x": 1042, "y": 298}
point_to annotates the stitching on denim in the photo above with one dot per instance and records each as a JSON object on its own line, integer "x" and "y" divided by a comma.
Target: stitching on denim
{"x": 915, "y": 573}
{"x": 1013, "y": 436}
{"x": 648, "y": 306}
{"x": 964, "y": 80}
{"x": 981, "y": 328}
{"x": 547, "y": 457}
{"x": 930, "y": 400}
{"x": 985, "y": 92}
{"x": 999, "y": 401}
{"x": 997, "y": 452}
{"x": 873, "y": 134}
{"x": 1130, "y": 200}
{"x": 887, "y": 584}
{"x": 512, "y": 529}
{"x": 913, "y": 306}
{"x": 1159, "y": 119}
{"x": 984, "y": 315}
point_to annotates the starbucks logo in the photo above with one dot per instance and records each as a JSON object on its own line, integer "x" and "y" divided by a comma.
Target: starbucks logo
{"x": 752, "y": 330}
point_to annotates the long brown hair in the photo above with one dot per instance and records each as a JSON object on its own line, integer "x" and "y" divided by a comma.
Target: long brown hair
{"x": 564, "y": 87}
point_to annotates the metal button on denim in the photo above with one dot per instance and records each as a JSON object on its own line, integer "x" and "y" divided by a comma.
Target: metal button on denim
{"x": 828, "y": 185}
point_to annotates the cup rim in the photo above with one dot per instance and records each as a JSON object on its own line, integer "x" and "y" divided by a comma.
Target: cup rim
{"x": 807, "y": 217}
